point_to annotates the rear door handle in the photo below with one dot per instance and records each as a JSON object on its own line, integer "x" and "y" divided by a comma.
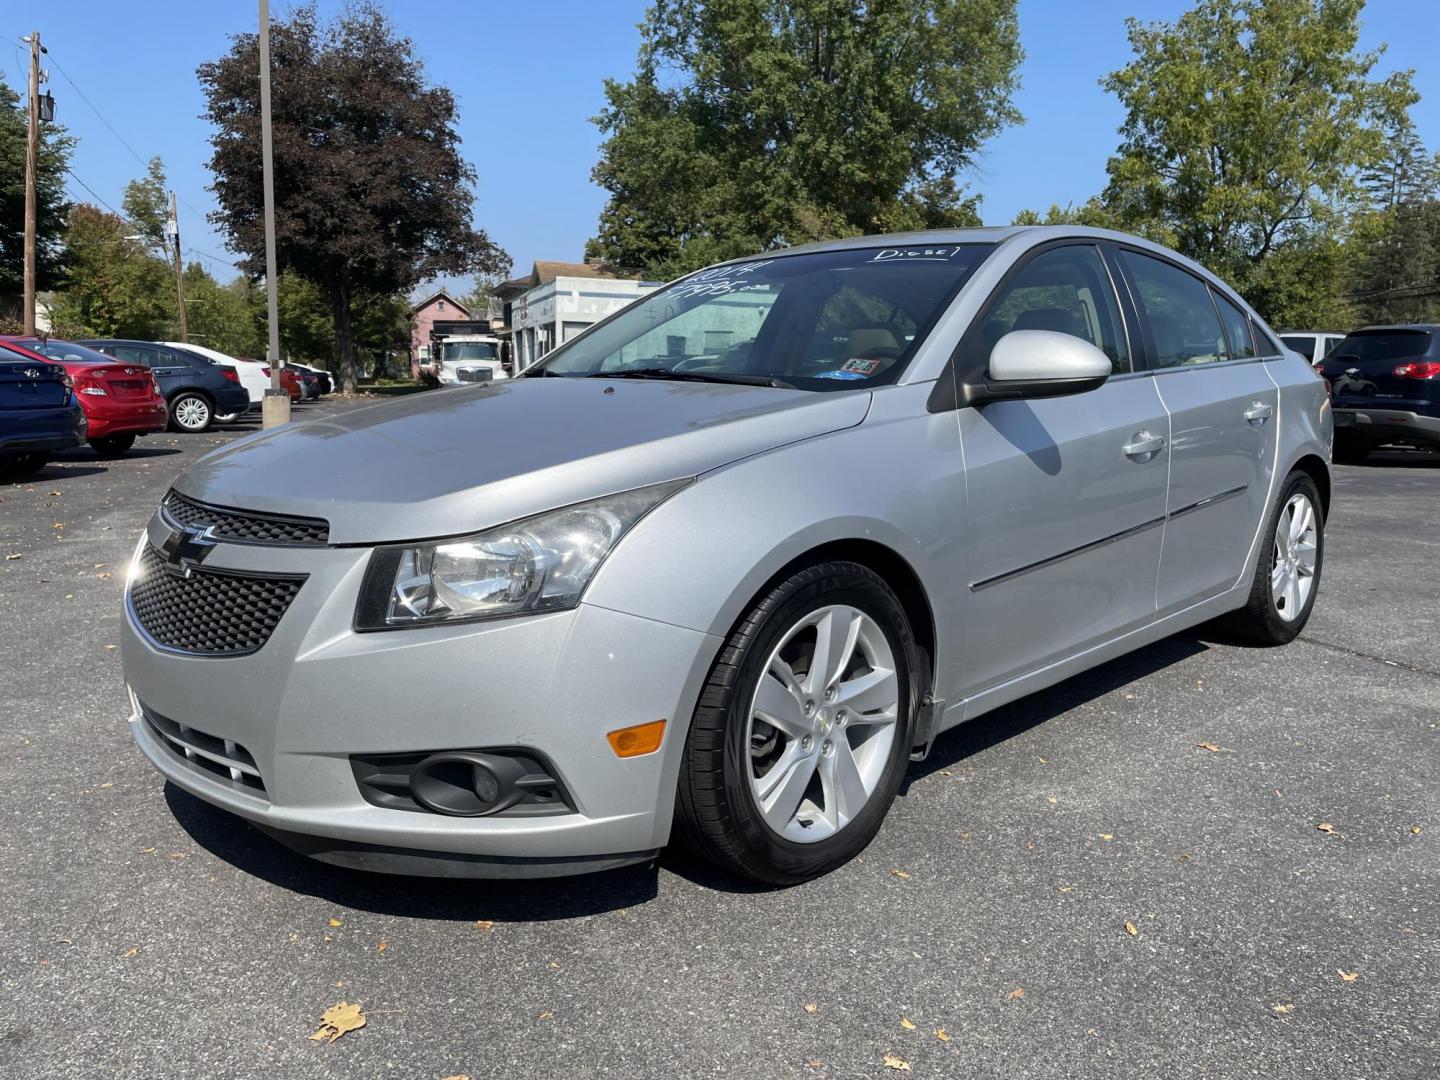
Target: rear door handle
{"x": 1144, "y": 445}
{"x": 1259, "y": 412}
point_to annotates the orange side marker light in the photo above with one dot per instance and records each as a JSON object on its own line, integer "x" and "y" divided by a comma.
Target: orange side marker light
{"x": 638, "y": 739}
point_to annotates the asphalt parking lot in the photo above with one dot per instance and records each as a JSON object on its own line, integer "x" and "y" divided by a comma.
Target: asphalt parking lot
{"x": 983, "y": 934}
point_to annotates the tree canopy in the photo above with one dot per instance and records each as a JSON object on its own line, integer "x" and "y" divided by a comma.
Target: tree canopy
{"x": 754, "y": 123}
{"x": 371, "y": 193}
{"x": 52, "y": 207}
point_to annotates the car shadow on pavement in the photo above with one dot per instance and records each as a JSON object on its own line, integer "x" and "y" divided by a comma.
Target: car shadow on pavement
{"x": 1030, "y": 711}
{"x": 50, "y": 474}
{"x": 444, "y": 899}
{"x": 1401, "y": 459}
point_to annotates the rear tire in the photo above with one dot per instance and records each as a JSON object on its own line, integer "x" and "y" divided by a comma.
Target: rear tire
{"x": 1350, "y": 453}
{"x": 27, "y": 464}
{"x": 190, "y": 413}
{"x": 112, "y": 446}
{"x": 731, "y": 749}
{"x": 1275, "y": 613}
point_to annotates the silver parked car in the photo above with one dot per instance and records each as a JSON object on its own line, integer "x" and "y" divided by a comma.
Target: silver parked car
{"x": 724, "y": 563}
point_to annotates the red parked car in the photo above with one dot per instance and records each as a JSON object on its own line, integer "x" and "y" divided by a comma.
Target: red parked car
{"x": 289, "y": 381}
{"x": 120, "y": 401}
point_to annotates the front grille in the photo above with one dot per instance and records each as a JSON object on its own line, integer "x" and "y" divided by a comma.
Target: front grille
{"x": 246, "y": 526}
{"x": 210, "y": 612}
{"x": 224, "y": 758}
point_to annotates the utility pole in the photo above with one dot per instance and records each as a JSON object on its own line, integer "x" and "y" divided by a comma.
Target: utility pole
{"x": 276, "y": 406}
{"x": 32, "y": 152}
{"x": 172, "y": 226}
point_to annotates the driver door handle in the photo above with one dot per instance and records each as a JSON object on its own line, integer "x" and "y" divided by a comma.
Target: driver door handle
{"x": 1144, "y": 445}
{"x": 1259, "y": 412}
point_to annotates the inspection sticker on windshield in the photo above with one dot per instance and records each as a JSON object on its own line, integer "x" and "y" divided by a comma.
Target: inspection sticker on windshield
{"x": 861, "y": 366}
{"x": 915, "y": 254}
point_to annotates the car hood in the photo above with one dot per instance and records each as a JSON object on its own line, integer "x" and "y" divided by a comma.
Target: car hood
{"x": 456, "y": 461}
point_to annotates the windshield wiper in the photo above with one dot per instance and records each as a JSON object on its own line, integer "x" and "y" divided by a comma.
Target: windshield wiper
{"x": 660, "y": 373}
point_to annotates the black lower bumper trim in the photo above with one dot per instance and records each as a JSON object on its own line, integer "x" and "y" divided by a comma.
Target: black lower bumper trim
{"x": 417, "y": 862}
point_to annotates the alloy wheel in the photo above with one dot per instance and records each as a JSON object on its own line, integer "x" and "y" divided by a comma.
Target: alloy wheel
{"x": 1292, "y": 559}
{"x": 822, "y": 722}
{"x": 192, "y": 414}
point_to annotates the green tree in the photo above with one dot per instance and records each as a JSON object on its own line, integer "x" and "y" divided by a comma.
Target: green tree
{"x": 371, "y": 193}
{"x": 1092, "y": 213}
{"x": 146, "y": 203}
{"x": 52, "y": 206}
{"x": 1396, "y": 250}
{"x": 116, "y": 287}
{"x": 223, "y": 317}
{"x": 1247, "y": 125}
{"x": 755, "y": 123}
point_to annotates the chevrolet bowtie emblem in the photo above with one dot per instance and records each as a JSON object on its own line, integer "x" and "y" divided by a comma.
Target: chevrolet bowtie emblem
{"x": 187, "y": 549}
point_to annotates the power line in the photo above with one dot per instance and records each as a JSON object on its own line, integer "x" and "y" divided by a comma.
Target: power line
{"x": 133, "y": 153}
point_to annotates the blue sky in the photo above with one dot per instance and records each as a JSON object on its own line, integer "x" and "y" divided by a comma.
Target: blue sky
{"x": 529, "y": 76}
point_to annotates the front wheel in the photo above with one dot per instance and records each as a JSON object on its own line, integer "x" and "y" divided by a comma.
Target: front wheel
{"x": 803, "y": 730}
{"x": 1287, "y": 576}
{"x": 190, "y": 412}
{"x": 112, "y": 446}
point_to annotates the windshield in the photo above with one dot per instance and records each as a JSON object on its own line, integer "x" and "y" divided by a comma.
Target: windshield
{"x": 1382, "y": 345}
{"x": 66, "y": 350}
{"x": 825, "y": 321}
{"x": 469, "y": 350}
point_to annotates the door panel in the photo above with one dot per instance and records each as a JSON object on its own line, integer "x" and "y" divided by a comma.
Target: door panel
{"x": 1064, "y": 528}
{"x": 1222, "y": 408}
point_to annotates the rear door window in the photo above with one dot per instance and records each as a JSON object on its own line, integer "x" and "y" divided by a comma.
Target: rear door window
{"x": 1237, "y": 329}
{"x": 1183, "y": 322}
{"x": 132, "y": 354}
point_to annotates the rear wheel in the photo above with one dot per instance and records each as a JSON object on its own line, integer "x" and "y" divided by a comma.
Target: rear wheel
{"x": 190, "y": 412}
{"x": 27, "y": 464}
{"x": 803, "y": 730}
{"x": 1348, "y": 452}
{"x": 1287, "y": 577}
{"x": 112, "y": 446}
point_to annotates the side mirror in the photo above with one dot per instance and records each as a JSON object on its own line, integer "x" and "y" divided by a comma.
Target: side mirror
{"x": 1038, "y": 364}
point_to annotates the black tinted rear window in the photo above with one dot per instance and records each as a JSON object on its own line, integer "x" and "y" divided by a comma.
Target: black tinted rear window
{"x": 1383, "y": 345}
{"x": 1304, "y": 344}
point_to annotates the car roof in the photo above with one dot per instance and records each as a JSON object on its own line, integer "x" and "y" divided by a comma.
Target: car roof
{"x": 1432, "y": 327}
{"x": 1316, "y": 333}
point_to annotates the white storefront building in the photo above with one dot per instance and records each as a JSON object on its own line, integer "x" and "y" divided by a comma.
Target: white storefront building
{"x": 561, "y": 300}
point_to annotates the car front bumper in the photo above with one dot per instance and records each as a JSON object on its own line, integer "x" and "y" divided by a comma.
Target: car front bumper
{"x": 317, "y": 692}
{"x": 1387, "y": 425}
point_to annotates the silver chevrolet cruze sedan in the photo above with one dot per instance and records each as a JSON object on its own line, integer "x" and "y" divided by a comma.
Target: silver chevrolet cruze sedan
{"x": 722, "y": 564}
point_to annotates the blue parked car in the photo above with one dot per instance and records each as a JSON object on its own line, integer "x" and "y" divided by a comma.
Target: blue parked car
{"x": 195, "y": 389}
{"x": 1385, "y": 389}
{"x": 38, "y": 412}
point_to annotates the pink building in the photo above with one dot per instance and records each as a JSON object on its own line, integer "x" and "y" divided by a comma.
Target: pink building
{"x": 437, "y": 307}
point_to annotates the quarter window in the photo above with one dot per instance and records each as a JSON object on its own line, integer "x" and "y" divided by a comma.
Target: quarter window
{"x": 1066, "y": 290}
{"x": 1177, "y": 305}
{"x": 1237, "y": 329}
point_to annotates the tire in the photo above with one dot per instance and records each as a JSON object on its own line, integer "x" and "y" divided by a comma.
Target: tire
{"x": 112, "y": 446}
{"x": 1346, "y": 452}
{"x": 26, "y": 464}
{"x": 1266, "y": 619}
{"x": 720, "y": 808}
{"x": 191, "y": 413}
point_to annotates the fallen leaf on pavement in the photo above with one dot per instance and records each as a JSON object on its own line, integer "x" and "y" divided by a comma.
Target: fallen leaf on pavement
{"x": 337, "y": 922}
{"x": 457, "y": 1076}
{"x": 129, "y": 953}
{"x": 942, "y": 1034}
{"x": 484, "y": 924}
{"x": 13, "y": 556}
{"x": 811, "y": 1007}
{"x": 901, "y": 874}
{"x": 1067, "y": 888}
{"x": 337, "y": 1020}
{"x": 1326, "y": 828}
{"x": 381, "y": 945}
{"x": 1132, "y": 929}
{"x": 1282, "y": 1010}
{"x": 1017, "y": 993}
{"x": 1107, "y": 836}
{"x": 896, "y": 1063}
{"x": 1347, "y": 976}
{"x": 546, "y": 1015}
{"x": 907, "y": 1023}
{"x": 1209, "y": 746}
{"x": 1415, "y": 830}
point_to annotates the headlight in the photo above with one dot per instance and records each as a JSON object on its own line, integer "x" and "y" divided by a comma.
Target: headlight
{"x": 538, "y": 564}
